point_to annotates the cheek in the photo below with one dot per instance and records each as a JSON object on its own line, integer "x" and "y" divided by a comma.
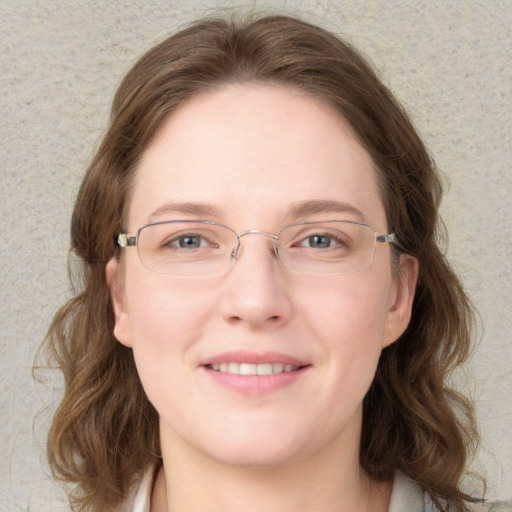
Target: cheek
{"x": 349, "y": 321}
{"x": 352, "y": 309}
{"x": 163, "y": 311}
{"x": 166, "y": 320}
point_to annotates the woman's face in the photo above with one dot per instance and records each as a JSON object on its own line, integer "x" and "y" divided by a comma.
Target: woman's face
{"x": 258, "y": 157}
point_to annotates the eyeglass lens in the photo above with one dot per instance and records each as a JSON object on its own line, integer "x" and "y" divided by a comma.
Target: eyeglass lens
{"x": 185, "y": 248}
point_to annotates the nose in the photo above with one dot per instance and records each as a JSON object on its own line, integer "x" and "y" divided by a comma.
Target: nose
{"x": 255, "y": 291}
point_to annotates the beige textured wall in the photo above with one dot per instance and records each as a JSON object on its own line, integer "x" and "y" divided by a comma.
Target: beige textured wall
{"x": 449, "y": 62}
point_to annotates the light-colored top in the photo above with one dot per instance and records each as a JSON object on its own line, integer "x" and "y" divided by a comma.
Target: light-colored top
{"x": 139, "y": 499}
{"x": 406, "y": 497}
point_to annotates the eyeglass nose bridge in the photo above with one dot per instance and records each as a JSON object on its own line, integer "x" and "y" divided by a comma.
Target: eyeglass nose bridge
{"x": 236, "y": 250}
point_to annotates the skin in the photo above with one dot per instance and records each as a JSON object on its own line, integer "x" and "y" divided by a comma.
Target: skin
{"x": 252, "y": 153}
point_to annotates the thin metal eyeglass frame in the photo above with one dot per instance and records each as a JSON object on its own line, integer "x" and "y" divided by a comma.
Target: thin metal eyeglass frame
{"x": 123, "y": 240}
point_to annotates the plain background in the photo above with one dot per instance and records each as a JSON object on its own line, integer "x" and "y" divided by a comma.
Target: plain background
{"x": 60, "y": 61}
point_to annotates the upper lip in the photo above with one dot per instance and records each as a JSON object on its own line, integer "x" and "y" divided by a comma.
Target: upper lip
{"x": 243, "y": 356}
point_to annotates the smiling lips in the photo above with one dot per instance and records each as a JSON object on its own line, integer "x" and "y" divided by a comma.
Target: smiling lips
{"x": 253, "y": 369}
{"x": 250, "y": 373}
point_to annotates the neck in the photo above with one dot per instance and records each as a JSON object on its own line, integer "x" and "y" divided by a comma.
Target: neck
{"x": 330, "y": 482}
{"x": 279, "y": 495}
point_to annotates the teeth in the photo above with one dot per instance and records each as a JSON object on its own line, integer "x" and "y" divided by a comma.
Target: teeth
{"x": 278, "y": 368}
{"x": 247, "y": 369}
{"x": 253, "y": 369}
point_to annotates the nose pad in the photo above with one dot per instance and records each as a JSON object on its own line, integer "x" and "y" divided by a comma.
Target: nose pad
{"x": 236, "y": 250}
{"x": 235, "y": 253}
{"x": 276, "y": 253}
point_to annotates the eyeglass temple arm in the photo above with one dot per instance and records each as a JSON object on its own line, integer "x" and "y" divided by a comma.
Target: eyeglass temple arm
{"x": 123, "y": 240}
{"x": 391, "y": 238}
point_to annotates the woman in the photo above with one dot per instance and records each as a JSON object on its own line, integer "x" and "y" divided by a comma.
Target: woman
{"x": 267, "y": 321}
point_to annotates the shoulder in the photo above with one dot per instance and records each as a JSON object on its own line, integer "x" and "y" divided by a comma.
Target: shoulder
{"x": 407, "y": 496}
{"x": 496, "y": 506}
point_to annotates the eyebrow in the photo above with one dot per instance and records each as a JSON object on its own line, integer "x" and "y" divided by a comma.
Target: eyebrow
{"x": 307, "y": 208}
{"x": 297, "y": 211}
{"x": 204, "y": 210}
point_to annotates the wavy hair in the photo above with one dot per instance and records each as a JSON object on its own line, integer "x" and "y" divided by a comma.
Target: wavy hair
{"x": 105, "y": 431}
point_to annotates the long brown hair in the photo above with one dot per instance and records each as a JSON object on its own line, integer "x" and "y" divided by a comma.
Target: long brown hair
{"x": 105, "y": 431}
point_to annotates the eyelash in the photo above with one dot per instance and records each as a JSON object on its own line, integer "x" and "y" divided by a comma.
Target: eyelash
{"x": 332, "y": 239}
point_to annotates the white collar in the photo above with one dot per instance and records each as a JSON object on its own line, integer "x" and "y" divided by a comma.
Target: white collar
{"x": 406, "y": 496}
{"x": 142, "y": 499}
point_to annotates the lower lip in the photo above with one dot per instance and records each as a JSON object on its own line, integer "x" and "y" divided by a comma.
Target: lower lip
{"x": 255, "y": 384}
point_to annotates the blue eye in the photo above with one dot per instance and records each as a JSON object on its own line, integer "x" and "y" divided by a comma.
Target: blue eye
{"x": 319, "y": 241}
{"x": 187, "y": 241}
{"x": 322, "y": 241}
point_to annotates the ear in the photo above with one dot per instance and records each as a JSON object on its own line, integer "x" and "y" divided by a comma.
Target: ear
{"x": 399, "y": 313}
{"x": 115, "y": 280}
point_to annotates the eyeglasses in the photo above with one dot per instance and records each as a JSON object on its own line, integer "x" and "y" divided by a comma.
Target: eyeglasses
{"x": 191, "y": 248}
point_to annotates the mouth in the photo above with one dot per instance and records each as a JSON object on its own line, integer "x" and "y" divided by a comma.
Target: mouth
{"x": 253, "y": 369}
{"x": 250, "y": 373}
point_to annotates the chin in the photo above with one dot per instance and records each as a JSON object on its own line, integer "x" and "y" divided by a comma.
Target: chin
{"x": 256, "y": 455}
{"x": 254, "y": 447}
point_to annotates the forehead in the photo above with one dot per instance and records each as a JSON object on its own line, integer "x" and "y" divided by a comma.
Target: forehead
{"x": 253, "y": 152}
